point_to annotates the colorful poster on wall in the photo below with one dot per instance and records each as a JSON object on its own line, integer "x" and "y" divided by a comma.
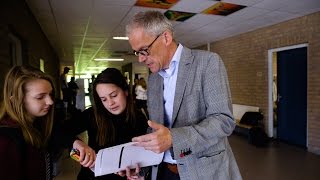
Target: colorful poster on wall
{"x": 178, "y": 15}
{"x": 223, "y": 9}
{"x": 162, "y": 4}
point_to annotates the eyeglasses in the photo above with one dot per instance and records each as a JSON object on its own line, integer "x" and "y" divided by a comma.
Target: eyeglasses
{"x": 145, "y": 51}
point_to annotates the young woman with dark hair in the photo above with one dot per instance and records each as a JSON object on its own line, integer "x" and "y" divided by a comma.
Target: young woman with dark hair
{"x": 112, "y": 120}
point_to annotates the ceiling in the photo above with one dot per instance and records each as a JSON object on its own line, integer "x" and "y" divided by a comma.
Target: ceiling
{"x": 82, "y": 30}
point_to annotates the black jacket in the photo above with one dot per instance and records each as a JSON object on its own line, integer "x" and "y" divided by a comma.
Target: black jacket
{"x": 85, "y": 121}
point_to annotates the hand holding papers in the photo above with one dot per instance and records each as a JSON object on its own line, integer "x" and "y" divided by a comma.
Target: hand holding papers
{"x": 117, "y": 158}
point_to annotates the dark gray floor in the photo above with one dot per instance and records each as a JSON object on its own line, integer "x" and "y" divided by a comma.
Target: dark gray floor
{"x": 278, "y": 161}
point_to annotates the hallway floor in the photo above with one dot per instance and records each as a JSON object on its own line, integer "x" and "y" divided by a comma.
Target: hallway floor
{"x": 278, "y": 161}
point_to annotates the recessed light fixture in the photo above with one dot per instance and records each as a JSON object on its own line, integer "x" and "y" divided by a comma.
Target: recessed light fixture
{"x": 120, "y": 38}
{"x": 108, "y": 59}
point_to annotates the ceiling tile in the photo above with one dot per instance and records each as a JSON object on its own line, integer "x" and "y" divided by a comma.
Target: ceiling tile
{"x": 272, "y": 4}
{"x": 243, "y": 2}
{"x": 80, "y": 30}
{"x": 192, "y": 5}
{"x": 300, "y": 6}
{"x": 250, "y": 12}
{"x": 196, "y": 22}
{"x": 117, "y": 2}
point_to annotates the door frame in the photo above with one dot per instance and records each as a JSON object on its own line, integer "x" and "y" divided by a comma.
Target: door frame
{"x": 17, "y": 50}
{"x": 270, "y": 85}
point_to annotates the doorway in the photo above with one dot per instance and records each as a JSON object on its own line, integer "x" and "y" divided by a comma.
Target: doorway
{"x": 291, "y": 97}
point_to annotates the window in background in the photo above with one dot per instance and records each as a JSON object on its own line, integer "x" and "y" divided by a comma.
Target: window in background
{"x": 42, "y": 65}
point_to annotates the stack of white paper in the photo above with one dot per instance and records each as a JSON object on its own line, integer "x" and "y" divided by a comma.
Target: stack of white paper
{"x": 117, "y": 158}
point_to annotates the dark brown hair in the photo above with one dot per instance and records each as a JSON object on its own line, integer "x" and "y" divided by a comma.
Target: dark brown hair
{"x": 106, "y": 130}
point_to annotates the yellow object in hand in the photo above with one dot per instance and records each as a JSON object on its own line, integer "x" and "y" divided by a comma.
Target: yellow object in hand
{"x": 75, "y": 154}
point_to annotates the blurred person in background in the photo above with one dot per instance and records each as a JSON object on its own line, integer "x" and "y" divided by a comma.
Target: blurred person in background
{"x": 141, "y": 94}
{"x": 73, "y": 88}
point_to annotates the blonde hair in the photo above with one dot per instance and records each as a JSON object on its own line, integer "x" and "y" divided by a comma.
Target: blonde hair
{"x": 13, "y": 105}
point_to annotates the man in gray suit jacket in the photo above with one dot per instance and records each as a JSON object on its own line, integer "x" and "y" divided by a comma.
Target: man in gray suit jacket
{"x": 189, "y": 104}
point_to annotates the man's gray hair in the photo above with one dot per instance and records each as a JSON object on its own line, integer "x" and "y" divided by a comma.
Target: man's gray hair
{"x": 153, "y": 22}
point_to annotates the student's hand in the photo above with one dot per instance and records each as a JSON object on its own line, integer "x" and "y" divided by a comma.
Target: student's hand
{"x": 132, "y": 174}
{"x": 158, "y": 141}
{"x": 87, "y": 154}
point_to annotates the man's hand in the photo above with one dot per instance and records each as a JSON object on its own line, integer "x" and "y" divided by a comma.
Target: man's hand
{"x": 158, "y": 141}
{"x": 132, "y": 174}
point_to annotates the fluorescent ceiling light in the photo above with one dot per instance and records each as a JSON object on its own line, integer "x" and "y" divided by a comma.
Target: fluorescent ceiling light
{"x": 120, "y": 38}
{"x": 108, "y": 59}
{"x": 96, "y": 68}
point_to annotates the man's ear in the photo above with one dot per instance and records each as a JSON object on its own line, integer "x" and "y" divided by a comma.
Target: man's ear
{"x": 168, "y": 37}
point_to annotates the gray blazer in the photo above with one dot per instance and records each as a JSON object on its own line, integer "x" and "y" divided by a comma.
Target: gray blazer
{"x": 202, "y": 117}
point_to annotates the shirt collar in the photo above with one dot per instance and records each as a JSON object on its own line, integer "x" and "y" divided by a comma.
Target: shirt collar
{"x": 173, "y": 63}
